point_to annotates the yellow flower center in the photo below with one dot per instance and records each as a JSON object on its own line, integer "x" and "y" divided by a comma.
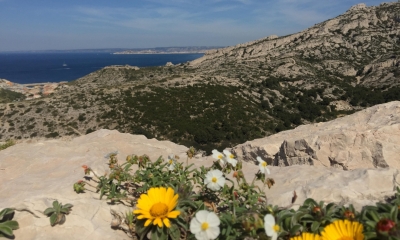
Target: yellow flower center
{"x": 231, "y": 156}
{"x": 158, "y": 210}
{"x": 214, "y": 179}
{"x": 204, "y": 226}
{"x": 264, "y": 164}
{"x": 276, "y": 228}
{"x": 170, "y": 161}
{"x": 220, "y": 156}
{"x": 346, "y": 238}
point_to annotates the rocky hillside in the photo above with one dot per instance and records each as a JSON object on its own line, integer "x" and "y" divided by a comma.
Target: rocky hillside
{"x": 34, "y": 173}
{"x": 360, "y": 46}
{"x": 234, "y": 94}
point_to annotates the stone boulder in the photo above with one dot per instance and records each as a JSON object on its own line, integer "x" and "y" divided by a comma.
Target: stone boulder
{"x": 366, "y": 139}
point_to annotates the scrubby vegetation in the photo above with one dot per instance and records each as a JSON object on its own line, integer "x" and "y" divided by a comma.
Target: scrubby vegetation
{"x": 218, "y": 202}
{"x": 10, "y": 96}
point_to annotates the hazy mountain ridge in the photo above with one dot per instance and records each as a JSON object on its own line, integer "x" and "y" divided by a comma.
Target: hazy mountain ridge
{"x": 233, "y": 94}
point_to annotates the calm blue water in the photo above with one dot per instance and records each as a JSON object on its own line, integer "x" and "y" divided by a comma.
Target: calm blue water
{"x": 48, "y": 67}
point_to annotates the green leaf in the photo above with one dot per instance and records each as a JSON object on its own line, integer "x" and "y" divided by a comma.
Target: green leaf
{"x": 393, "y": 213}
{"x": 53, "y": 219}
{"x": 6, "y": 231}
{"x": 68, "y": 205}
{"x": 141, "y": 230}
{"x": 296, "y": 228}
{"x": 174, "y": 232}
{"x": 6, "y": 214}
{"x": 374, "y": 215}
{"x": 65, "y": 210}
{"x": 49, "y": 211}
{"x": 330, "y": 208}
{"x": 310, "y": 202}
{"x": 56, "y": 205}
{"x": 11, "y": 224}
{"x": 315, "y": 226}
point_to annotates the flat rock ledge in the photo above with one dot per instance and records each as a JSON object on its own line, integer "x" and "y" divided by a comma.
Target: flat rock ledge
{"x": 34, "y": 174}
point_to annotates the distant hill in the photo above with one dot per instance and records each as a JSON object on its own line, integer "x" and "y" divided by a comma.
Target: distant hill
{"x": 235, "y": 94}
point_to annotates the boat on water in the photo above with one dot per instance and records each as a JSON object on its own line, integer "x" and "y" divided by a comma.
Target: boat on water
{"x": 64, "y": 64}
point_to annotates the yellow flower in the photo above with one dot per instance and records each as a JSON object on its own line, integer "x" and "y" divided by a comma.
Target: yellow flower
{"x": 307, "y": 236}
{"x": 343, "y": 230}
{"x": 156, "y": 206}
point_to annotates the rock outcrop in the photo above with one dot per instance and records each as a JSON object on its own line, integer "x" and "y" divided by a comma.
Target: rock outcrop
{"x": 369, "y": 138}
{"x": 34, "y": 174}
{"x": 33, "y": 90}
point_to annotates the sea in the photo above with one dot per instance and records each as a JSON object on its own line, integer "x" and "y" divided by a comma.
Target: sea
{"x": 24, "y": 68}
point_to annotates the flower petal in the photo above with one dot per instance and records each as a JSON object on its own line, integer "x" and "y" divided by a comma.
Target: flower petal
{"x": 173, "y": 214}
{"x": 158, "y": 222}
{"x": 213, "y": 186}
{"x": 147, "y": 223}
{"x": 202, "y": 235}
{"x": 169, "y": 195}
{"x": 213, "y": 220}
{"x": 216, "y": 173}
{"x": 166, "y": 222}
{"x": 201, "y": 216}
{"x": 195, "y": 226}
{"x": 221, "y": 181}
{"x": 269, "y": 223}
{"x": 227, "y": 153}
{"x": 212, "y": 232}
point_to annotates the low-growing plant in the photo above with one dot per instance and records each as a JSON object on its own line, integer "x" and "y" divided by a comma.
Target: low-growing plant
{"x": 174, "y": 200}
{"x": 7, "y": 225}
{"x": 57, "y": 212}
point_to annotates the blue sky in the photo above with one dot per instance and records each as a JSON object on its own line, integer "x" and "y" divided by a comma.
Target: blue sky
{"x": 82, "y": 24}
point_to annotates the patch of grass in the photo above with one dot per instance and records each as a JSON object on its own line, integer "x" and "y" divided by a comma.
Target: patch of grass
{"x": 7, "y": 144}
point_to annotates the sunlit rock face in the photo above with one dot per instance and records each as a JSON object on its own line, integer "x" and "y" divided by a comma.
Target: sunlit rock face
{"x": 367, "y": 139}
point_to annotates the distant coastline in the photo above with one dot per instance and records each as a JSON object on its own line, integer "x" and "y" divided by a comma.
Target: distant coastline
{"x": 168, "y": 50}
{"x": 68, "y": 66}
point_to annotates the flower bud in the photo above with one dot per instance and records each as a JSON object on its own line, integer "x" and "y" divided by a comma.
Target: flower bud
{"x": 349, "y": 214}
{"x": 236, "y": 194}
{"x": 385, "y": 225}
{"x": 316, "y": 209}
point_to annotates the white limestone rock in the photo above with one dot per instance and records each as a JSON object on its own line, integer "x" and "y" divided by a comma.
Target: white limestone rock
{"x": 369, "y": 138}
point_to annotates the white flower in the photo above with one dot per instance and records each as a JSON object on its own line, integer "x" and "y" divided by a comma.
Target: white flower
{"x": 230, "y": 158}
{"x": 205, "y": 225}
{"x": 263, "y": 165}
{"x": 219, "y": 156}
{"x": 271, "y": 229}
{"x": 214, "y": 180}
{"x": 171, "y": 162}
